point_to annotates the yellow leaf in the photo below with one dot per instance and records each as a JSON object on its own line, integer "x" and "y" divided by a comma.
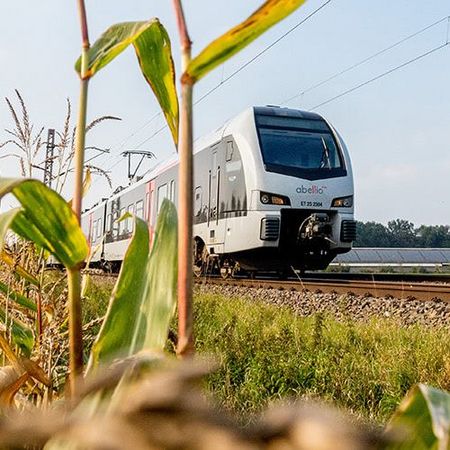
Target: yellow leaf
{"x": 230, "y": 43}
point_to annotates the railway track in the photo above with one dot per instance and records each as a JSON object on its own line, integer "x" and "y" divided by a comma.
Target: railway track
{"x": 408, "y": 286}
{"x": 424, "y": 291}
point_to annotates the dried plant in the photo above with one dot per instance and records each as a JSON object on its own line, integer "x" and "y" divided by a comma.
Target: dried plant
{"x": 27, "y": 146}
{"x": 65, "y": 150}
{"x": 25, "y": 141}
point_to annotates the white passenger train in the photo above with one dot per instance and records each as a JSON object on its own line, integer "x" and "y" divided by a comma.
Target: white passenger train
{"x": 273, "y": 189}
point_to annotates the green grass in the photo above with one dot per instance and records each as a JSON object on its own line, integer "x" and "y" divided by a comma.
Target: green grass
{"x": 97, "y": 296}
{"x": 268, "y": 353}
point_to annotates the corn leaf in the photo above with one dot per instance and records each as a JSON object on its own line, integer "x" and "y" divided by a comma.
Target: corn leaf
{"x": 21, "y": 334}
{"x": 46, "y": 219}
{"x": 424, "y": 419}
{"x": 144, "y": 298}
{"x": 17, "y": 268}
{"x": 230, "y": 43}
{"x": 153, "y": 50}
{"x": 16, "y": 297}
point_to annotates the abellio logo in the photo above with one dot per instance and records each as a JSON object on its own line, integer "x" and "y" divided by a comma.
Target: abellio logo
{"x": 313, "y": 189}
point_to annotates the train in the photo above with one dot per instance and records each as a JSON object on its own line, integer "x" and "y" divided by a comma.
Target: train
{"x": 273, "y": 191}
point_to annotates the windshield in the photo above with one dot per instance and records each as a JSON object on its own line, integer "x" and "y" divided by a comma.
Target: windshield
{"x": 299, "y": 147}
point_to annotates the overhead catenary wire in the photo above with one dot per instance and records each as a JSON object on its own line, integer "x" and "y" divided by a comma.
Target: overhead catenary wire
{"x": 144, "y": 125}
{"x": 120, "y": 146}
{"x": 369, "y": 58}
{"x": 264, "y": 50}
{"x": 388, "y": 72}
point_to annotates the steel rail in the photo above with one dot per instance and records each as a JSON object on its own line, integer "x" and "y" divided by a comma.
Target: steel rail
{"x": 398, "y": 290}
{"x": 409, "y": 289}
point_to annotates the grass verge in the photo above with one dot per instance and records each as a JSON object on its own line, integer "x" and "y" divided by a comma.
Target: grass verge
{"x": 267, "y": 353}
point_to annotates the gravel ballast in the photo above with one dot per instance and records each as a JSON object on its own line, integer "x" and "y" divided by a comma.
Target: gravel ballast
{"x": 343, "y": 307}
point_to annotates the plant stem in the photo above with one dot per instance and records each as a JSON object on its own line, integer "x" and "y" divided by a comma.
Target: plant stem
{"x": 79, "y": 148}
{"x": 185, "y": 198}
{"x": 74, "y": 277}
{"x": 185, "y": 242}
{"x": 75, "y": 330}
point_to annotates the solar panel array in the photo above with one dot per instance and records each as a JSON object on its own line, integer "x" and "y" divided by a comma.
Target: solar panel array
{"x": 395, "y": 256}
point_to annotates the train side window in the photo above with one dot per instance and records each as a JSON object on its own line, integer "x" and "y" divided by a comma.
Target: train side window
{"x": 129, "y": 224}
{"x": 108, "y": 223}
{"x": 122, "y": 223}
{"x": 172, "y": 191}
{"x": 94, "y": 231}
{"x": 114, "y": 224}
{"x": 162, "y": 194}
{"x": 197, "y": 201}
{"x": 99, "y": 227}
{"x": 140, "y": 209}
{"x": 229, "y": 151}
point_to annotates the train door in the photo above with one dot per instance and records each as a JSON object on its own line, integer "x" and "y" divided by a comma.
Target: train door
{"x": 90, "y": 232}
{"x": 216, "y": 223}
{"x": 104, "y": 230}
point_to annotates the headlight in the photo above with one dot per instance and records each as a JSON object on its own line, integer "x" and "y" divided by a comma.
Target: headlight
{"x": 273, "y": 199}
{"x": 342, "y": 202}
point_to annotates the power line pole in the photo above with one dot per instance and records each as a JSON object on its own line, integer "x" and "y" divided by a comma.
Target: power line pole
{"x": 49, "y": 156}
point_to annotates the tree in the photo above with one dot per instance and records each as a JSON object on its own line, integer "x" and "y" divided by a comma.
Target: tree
{"x": 372, "y": 234}
{"x": 402, "y": 233}
{"x": 433, "y": 236}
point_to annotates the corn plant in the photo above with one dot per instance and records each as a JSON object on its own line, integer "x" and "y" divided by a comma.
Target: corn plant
{"x": 152, "y": 46}
{"x": 193, "y": 69}
{"x": 422, "y": 421}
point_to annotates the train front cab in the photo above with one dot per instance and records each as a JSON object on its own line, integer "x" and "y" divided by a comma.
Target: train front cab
{"x": 301, "y": 192}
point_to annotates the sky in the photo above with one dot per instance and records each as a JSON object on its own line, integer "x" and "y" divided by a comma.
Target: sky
{"x": 397, "y": 128}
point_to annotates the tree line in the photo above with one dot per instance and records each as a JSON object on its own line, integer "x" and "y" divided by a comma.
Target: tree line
{"x": 401, "y": 233}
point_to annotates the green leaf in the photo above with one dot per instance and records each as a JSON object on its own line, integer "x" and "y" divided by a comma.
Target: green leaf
{"x": 21, "y": 334}
{"x": 18, "y": 298}
{"x": 46, "y": 219}
{"x": 144, "y": 298}
{"x": 424, "y": 419}
{"x": 230, "y": 43}
{"x": 153, "y": 50}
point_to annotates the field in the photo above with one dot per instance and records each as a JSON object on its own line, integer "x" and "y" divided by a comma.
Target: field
{"x": 267, "y": 353}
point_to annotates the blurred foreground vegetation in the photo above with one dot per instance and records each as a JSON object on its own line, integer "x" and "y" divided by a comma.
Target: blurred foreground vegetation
{"x": 267, "y": 354}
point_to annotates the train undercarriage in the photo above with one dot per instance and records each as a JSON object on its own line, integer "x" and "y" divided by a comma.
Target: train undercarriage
{"x": 305, "y": 243}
